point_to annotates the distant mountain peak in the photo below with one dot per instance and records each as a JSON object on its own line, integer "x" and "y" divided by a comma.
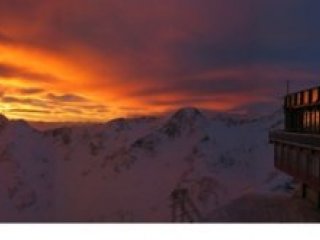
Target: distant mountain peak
{"x": 119, "y": 124}
{"x": 188, "y": 112}
{"x": 3, "y": 120}
{"x": 184, "y": 120}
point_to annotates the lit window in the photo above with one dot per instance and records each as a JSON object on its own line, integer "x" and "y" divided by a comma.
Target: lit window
{"x": 315, "y": 95}
{"x": 299, "y": 99}
{"x": 306, "y": 120}
{"x": 306, "y": 97}
{"x": 313, "y": 119}
{"x": 317, "y": 120}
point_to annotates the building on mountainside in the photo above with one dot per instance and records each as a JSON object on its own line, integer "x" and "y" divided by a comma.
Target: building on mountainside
{"x": 297, "y": 147}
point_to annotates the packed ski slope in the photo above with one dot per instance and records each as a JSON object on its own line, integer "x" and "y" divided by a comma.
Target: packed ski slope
{"x": 125, "y": 170}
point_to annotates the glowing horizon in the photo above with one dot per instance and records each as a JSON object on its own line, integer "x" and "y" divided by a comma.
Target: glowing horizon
{"x": 94, "y": 61}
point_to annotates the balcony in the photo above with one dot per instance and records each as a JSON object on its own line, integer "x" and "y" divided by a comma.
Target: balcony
{"x": 303, "y": 140}
{"x": 298, "y": 155}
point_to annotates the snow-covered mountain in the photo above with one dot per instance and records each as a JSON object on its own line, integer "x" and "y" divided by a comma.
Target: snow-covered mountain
{"x": 126, "y": 169}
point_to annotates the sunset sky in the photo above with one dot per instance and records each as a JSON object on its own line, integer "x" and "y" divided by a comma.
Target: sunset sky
{"x": 92, "y": 60}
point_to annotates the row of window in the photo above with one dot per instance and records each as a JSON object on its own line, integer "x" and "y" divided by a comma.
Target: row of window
{"x": 306, "y": 97}
{"x": 311, "y": 120}
{"x": 303, "y": 121}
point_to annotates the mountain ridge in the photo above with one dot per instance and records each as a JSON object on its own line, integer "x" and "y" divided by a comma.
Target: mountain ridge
{"x": 87, "y": 172}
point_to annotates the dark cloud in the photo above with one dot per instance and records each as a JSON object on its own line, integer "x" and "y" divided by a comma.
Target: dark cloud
{"x": 86, "y": 109}
{"x": 132, "y": 109}
{"x": 194, "y": 31}
{"x": 184, "y": 102}
{"x": 251, "y": 81}
{"x": 193, "y": 34}
{"x": 66, "y": 98}
{"x": 17, "y": 110}
{"x": 204, "y": 87}
{"x": 8, "y": 72}
{"x": 29, "y": 91}
{"x": 27, "y": 101}
{"x": 72, "y": 110}
{"x": 10, "y": 100}
{"x": 259, "y": 107}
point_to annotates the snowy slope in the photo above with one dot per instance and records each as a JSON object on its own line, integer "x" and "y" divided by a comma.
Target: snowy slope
{"x": 126, "y": 169}
{"x": 27, "y": 173}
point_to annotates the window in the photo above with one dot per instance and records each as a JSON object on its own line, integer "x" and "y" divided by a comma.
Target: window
{"x": 306, "y": 120}
{"x": 317, "y": 121}
{"x": 306, "y": 97}
{"x": 299, "y": 99}
{"x": 315, "y": 95}
{"x": 313, "y": 120}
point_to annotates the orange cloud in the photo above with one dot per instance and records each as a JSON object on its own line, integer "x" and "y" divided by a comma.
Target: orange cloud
{"x": 80, "y": 60}
{"x": 59, "y": 78}
{"x": 36, "y": 84}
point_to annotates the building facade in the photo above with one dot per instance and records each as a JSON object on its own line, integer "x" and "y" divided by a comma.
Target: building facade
{"x": 297, "y": 147}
